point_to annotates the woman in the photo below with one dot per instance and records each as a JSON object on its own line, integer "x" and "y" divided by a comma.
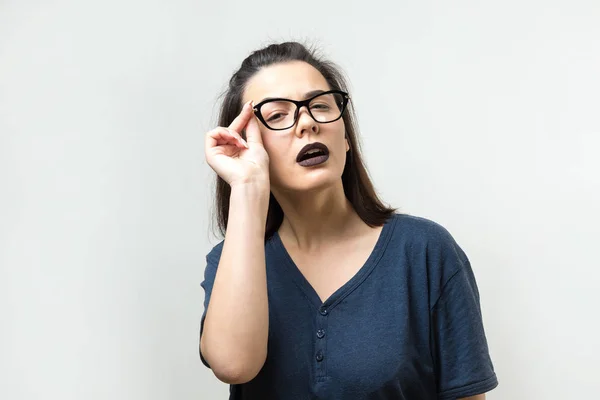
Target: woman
{"x": 318, "y": 289}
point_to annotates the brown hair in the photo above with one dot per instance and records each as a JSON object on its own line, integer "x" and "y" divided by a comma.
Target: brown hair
{"x": 358, "y": 187}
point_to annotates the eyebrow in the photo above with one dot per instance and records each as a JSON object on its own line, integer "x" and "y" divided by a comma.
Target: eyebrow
{"x": 307, "y": 95}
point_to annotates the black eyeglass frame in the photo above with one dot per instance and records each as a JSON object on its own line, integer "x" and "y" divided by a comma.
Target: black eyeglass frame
{"x": 299, "y": 104}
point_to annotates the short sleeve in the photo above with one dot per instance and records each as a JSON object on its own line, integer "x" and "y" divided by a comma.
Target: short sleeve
{"x": 212, "y": 262}
{"x": 462, "y": 361}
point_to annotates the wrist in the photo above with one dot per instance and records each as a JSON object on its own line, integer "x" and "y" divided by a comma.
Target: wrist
{"x": 254, "y": 186}
{"x": 251, "y": 194}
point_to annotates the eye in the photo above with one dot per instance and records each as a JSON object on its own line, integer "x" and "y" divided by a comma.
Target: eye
{"x": 275, "y": 117}
{"x": 320, "y": 106}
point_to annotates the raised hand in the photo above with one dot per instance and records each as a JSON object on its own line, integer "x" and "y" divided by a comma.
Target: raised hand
{"x": 237, "y": 161}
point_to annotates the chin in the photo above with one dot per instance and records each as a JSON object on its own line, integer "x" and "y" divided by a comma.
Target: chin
{"x": 312, "y": 180}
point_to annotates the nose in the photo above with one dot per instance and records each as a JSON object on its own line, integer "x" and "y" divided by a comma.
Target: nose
{"x": 305, "y": 123}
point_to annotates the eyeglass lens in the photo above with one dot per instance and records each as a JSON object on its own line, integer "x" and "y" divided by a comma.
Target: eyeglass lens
{"x": 281, "y": 114}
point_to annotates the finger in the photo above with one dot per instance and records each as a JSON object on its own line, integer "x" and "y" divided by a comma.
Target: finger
{"x": 223, "y": 136}
{"x": 253, "y": 131}
{"x": 231, "y": 136}
{"x": 242, "y": 119}
{"x": 238, "y": 137}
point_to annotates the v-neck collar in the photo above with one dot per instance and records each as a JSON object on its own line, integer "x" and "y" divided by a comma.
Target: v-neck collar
{"x": 346, "y": 288}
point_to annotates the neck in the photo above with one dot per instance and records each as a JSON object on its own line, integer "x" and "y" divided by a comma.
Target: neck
{"x": 314, "y": 218}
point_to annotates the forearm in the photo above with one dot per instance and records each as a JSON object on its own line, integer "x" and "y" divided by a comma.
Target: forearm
{"x": 234, "y": 340}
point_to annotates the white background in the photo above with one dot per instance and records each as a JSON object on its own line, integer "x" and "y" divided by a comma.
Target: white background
{"x": 483, "y": 116}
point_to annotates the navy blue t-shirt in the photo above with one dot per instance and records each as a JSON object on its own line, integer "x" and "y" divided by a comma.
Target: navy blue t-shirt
{"x": 408, "y": 325}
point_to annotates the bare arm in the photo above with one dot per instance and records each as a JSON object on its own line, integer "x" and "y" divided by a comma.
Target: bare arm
{"x": 236, "y": 325}
{"x": 234, "y": 340}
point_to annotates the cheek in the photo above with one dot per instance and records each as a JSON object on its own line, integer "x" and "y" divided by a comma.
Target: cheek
{"x": 276, "y": 149}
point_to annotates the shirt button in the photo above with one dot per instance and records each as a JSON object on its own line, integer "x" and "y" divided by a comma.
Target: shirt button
{"x": 319, "y": 356}
{"x": 320, "y": 333}
{"x": 323, "y": 311}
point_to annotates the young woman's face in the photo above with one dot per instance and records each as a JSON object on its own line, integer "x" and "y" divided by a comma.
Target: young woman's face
{"x": 294, "y": 80}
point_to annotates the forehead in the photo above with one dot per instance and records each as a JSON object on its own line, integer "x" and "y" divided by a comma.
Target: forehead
{"x": 290, "y": 80}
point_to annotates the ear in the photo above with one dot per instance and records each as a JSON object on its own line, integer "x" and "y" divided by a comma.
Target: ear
{"x": 347, "y": 143}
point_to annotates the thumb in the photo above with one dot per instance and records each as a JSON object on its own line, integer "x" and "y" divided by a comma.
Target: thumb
{"x": 253, "y": 131}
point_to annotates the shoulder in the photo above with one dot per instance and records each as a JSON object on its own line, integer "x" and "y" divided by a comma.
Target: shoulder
{"x": 430, "y": 250}
{"x": 419, "y": 232}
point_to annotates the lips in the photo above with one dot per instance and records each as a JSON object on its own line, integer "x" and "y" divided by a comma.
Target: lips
{"x": 312, "y": 150}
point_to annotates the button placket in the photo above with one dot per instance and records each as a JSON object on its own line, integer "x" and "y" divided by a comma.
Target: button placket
{"x": 319, "y": 356}
{"x": 321, "y": 342}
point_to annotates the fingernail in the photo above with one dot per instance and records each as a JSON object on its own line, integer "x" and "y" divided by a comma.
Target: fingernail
{"x": 242, "y": 141}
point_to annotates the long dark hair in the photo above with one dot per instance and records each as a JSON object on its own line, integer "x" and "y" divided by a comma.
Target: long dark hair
{"x": 358, "y": 187}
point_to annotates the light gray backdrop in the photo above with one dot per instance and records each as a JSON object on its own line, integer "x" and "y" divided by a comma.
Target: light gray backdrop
{"x": 482, "y": 116}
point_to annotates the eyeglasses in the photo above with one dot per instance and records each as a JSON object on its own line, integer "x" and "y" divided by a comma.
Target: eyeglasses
{"x": 279, "y": 114}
